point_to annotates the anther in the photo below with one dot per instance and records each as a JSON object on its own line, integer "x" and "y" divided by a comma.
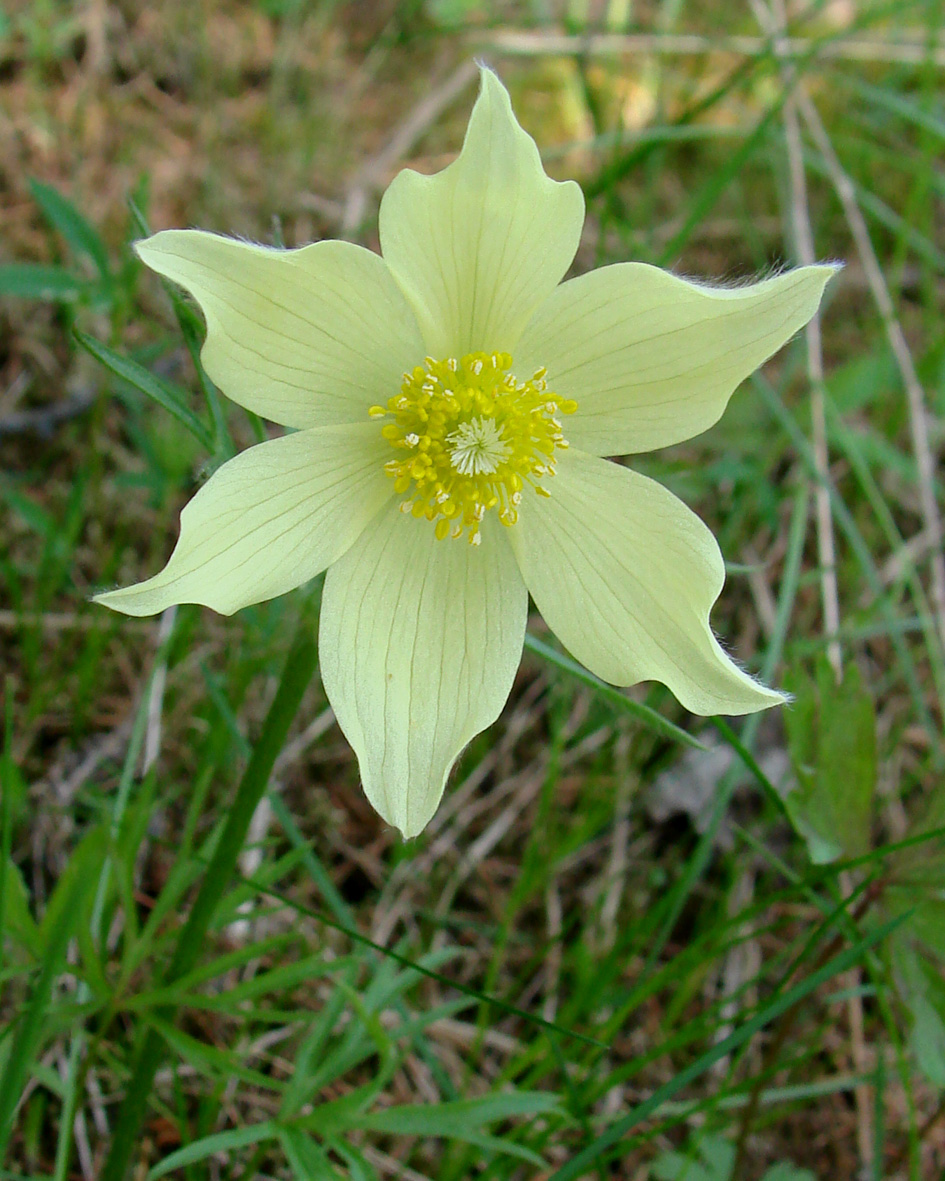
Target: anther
{"x": 475, "y": 436}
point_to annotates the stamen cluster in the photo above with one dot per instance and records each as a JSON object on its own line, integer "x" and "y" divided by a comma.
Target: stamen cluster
{"x": 470, "y": 437}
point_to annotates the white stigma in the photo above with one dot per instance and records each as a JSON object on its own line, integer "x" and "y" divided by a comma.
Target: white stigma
{"x": 477, "y": 447}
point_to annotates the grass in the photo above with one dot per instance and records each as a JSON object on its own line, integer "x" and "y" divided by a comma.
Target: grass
{"x": 618, "y": 950}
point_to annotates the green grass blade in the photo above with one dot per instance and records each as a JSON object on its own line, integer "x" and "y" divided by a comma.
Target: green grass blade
{"x": 136, "y": 375}
{"x": 7, "y": 771}
{"x": 307, "y": 1159}
{"x": 455, "y": 985}
{"x": 613, "y": 697}
{"x": 578, "y": 1165}
{"x": 75, "y": 228}
{"x": 452, "y": 1119}
{"x": 298, "y": 671}
{"x": 190, "y": 326}
{"x": 219, "y": 1142}
{"x": 861, "y": 549}
{"x": 720, "y": 179}
{"x": 26, "y": 280}
{"x": 64, "y": 912}
{"x": 319, "y": 874}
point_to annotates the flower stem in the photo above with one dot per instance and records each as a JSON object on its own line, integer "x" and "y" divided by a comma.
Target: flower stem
{"x": 299, "y": 667}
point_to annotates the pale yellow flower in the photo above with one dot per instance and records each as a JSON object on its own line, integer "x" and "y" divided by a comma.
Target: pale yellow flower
{"x": 449, "y": 391}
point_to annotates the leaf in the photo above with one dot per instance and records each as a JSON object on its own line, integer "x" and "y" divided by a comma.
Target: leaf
{"x": 62, "y": 915}
{"x": 928, "y": 1039}
{"x": 62, "y": 910}
{"x": 136, "y": 375}
{"x": 18, "y": 922}
{"x": 673, "y": 1166}
{"x": 358, "y": 1168}
{"x": 79, "y": 234}
{"x": 27, "y": 280}
{"x": 208, "y": 1059}
{"x": 831, "y": 731}
{"x": 284, "y": 976}
{"x": 922, "y": 989}
{"x": 716, "y": 1153}
{"x": 304, "y": 1080}
{"x": 306, "y": 1159}
{"x": 788, "y": 1172}
{"x": 500, "y": 1146}
{"x": 926, "y": 912}
{"x": 458, "y": 1117}
{"x": 218, "y": 1142}
{"x": 863, "y": 380}
{"x": 718, "y": 1157}
{"x": 191, "y": 328}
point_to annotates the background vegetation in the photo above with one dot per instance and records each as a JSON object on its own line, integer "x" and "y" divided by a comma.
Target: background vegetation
{"x": 617, "y": 951}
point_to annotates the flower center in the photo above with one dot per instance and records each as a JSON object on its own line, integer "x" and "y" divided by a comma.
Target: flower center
{"x": 470, "y": 437}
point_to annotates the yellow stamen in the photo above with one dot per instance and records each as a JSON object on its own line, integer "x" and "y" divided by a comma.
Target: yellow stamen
{"x": 470, "y": 438}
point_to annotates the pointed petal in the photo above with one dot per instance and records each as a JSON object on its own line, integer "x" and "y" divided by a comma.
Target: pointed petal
{"x": 479, "y": 245}
{"x": 625, "y": 575}
{"x": 652, "y": 359}
{"x": 306, "y": 337}
{"x": 419, "y": 643}
{"x": 268, "y": 520}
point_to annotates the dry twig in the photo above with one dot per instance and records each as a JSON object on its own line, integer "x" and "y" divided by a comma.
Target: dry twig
{"x": 537, "y": 42}
{"x": 915, "y": 396}
{"x": 374, "y": 174}
{"x": 773, "y": 21}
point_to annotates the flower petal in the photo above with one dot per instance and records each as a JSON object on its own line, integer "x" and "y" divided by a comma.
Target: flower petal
{"x": 419, "y": 643}
{"x": 625, "y": 575}
{"x": 652, "y": 359}
{"x": 479, "y": 245}
{"x": 268, "y": 520}
{"x": 306, "y": 337}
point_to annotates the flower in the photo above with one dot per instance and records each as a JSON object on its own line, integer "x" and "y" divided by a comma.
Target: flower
{"x": 451, "y": 401}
